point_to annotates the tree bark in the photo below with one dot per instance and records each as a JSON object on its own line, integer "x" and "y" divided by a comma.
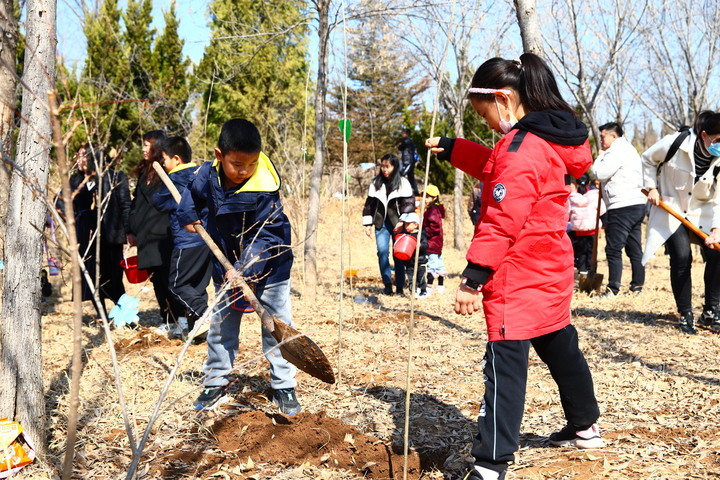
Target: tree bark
{"x": 529, "y": 29}
{"x": 21, "y": 395}
{"x": 8, "y": 84}
{"x": 323, "y": 8}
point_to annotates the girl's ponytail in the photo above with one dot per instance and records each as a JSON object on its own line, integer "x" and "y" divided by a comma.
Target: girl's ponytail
{"x": 538, "y": 88}
{"x": 530, "y": 77}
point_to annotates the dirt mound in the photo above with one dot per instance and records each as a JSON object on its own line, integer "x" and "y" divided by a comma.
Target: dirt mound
{"x": 144, "y": 339}
{"x": 314, "y": 439}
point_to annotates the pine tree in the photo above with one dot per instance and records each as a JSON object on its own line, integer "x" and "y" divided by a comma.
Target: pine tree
{"x": 382, "y": 89}
{"x": 170, "y": 83}
{"x": 255, "y": 67}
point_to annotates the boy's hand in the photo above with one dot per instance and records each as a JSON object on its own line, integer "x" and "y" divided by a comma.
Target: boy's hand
{"x": 411, "y": 227}
{"x": 190, "y": 227}
{"x": 654, "y": 196}
{"x": 230, "y": 274}
{"x": 369, "y": 230}
{"x": 467, "y": 300}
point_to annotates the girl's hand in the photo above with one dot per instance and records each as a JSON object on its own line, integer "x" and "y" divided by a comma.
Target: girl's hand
{"x": 432, "y": 144}
{"x": 654, "y": 196}
{"x": 713, "y": 240}
{"x": 368, "y": 230}
{"x": 467, "y": 300}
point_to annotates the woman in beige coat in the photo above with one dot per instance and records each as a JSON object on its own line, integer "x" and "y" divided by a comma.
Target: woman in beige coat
{"x": 687, "y": 182}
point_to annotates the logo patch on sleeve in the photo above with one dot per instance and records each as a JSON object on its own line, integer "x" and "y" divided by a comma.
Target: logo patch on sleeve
{"x": 499, "y": 192}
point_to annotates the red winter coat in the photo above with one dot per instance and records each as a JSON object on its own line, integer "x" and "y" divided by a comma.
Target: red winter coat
{"x": 433, "y": 226}
{"x": 521, "y": 235}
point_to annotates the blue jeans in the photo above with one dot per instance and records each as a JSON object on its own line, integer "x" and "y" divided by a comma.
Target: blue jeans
{"x": 223, "y": 341}
{"x": 383, "y": 239}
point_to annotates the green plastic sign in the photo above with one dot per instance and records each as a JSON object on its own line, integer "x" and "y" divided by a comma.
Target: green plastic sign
{"x": 345, "y": 128}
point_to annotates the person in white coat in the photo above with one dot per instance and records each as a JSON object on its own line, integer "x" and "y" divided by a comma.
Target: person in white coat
{"x": 688, "y": 183}
{"x": 619, "y": 170}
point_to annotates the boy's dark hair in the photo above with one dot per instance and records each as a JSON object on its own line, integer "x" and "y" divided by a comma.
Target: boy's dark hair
{"x": 176, "y": 146}
{"x": 613, "y": 127}
{"x": 530, "y": 77}
{"x": 239, "y": 135}
{"x": 707, "y": 121}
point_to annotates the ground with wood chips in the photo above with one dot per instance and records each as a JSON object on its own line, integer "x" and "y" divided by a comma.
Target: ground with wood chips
{"x": 657, "y": 387}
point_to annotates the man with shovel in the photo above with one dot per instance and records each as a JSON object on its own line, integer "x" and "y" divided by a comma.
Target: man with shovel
{"x": 619, "y": 170}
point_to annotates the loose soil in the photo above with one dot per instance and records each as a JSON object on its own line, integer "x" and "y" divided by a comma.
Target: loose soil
{"x": 657, "y": 388}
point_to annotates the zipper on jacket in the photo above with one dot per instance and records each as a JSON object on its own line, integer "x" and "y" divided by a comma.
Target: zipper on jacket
{"x": 502, "y": 329}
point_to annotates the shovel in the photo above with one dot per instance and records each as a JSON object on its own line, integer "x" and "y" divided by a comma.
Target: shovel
{"x": 298, "y": 349}
{"x": 691, "y": 226}
{"x": 592, "y": 281}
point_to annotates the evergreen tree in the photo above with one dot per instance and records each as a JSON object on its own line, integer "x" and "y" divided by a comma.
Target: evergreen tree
{"x": 382, "y": 88}
{"x": 137, "y": 39}
{"x": 256, "y": 67}
{"x": 170, "y": 83}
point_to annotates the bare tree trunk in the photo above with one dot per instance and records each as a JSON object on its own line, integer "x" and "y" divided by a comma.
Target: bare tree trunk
{"x": 8, "y": 84}
{"x": 21, "y": 395}
{"x": 323, "y": 7}
{"x": 529, "y": 29}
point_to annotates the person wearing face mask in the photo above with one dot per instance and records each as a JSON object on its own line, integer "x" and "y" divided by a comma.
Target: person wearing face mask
{"x": 521, "y": 259}
{"x": 688, "y": 183}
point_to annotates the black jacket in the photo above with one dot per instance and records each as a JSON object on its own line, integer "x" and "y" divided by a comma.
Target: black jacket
{"x": 115, "y": 205}
{"x": 379, "y": 204}
{"x": 150, "y": 226}
{"x": 407, "y": 155}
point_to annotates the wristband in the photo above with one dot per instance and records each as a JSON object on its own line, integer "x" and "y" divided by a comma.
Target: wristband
{"x": 472, "y": 284}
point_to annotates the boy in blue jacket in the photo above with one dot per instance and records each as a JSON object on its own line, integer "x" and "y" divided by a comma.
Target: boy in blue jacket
{"x": 241, "y": 190}
{"x": 190, "y": 265}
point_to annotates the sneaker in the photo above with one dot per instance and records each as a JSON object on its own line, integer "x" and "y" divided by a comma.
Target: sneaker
{"x": 482, "y": 473}
{"x": 422, "y": 294}
{"x": 608, "y": 293}
{"x": 400, "y": 291}
{"x": 286, "y": 401}
{"x": 387, "y": 289}
{"x": 686, "y": 323}
{"x": 589, "y": 438}
{"x": 440, "y": 289}
{"x": 170, "y": 331}
{"x": 210, "y": 398}
{"x": 710, "y": 318}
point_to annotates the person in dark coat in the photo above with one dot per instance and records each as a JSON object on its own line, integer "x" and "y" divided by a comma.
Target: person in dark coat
{"x": 114, "y": 209}
{"x": 151, "y": 229}
{"x": 408, "y": 154}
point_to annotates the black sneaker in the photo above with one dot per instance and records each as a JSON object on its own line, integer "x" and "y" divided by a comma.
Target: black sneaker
{"x": 387, "y": 290}
{"x": 686, "y": 323}
{"x": 710, "y": 318}
{"x": 210, "y": 398}
{"x": 286, "y": 401}
{"x": 570, "y": 435}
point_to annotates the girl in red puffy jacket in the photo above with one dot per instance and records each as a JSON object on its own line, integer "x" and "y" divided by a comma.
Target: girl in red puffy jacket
{"x": 520, "y": 258}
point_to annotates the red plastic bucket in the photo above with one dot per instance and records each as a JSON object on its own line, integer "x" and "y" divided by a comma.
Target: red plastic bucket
{"x": 404, "y": 247}
{"x": 133, "y": 274}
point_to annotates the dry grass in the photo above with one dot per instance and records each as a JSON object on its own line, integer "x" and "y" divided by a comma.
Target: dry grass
{"x": 658, "y": 388}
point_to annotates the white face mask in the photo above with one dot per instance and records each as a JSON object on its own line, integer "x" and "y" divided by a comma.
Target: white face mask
{"x": 505, "y": 125}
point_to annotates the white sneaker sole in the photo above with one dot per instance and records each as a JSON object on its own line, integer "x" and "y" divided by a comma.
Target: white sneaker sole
{"x": 582, "y": 443}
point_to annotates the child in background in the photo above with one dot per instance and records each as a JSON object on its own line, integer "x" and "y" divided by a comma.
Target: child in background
{"x": 409, "y": 223}
{"x": 583, "y": 218}
{"x": 241, "y": 190}
{"x": 190, "y": 265}
{"x": 433, "y": 227}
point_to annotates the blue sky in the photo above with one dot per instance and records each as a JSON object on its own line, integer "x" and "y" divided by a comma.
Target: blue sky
{"x": 191, "y": 13}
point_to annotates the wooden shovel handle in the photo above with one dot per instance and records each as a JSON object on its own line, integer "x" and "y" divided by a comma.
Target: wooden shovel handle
{"x": 238, "y": 280}
{"x": 683, "y": 220}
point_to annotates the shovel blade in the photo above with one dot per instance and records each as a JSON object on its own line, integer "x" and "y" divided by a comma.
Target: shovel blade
{"x": 303, "y": 352}
{"x": 592, "y": 282}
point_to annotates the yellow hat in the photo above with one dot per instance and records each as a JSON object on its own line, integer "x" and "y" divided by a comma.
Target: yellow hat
{"x": 432, "y": 191}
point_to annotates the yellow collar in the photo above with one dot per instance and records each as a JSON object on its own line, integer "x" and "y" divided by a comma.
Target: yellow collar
{"x": 182, "y": 166}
